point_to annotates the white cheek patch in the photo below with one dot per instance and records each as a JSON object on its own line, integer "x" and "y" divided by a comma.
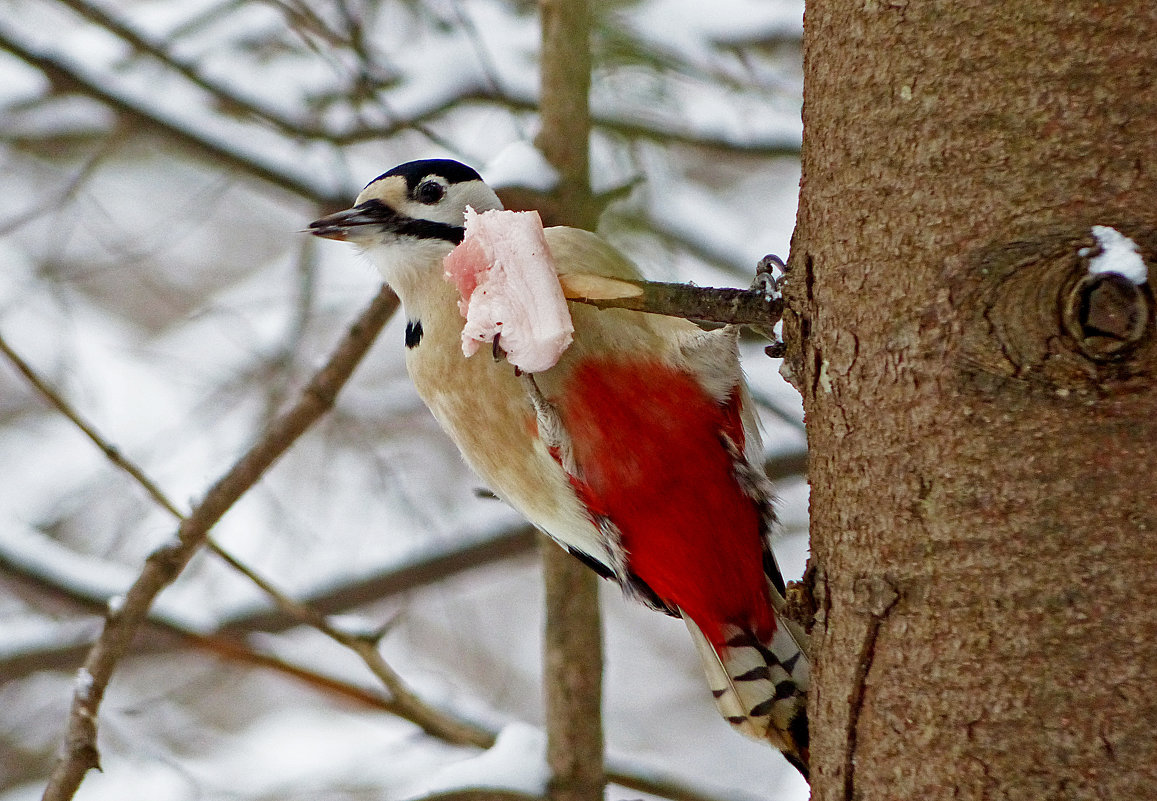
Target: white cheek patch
{"x": 508, "y": 287}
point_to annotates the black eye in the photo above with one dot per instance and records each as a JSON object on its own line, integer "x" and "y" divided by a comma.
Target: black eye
{"x": 429, "y": 192}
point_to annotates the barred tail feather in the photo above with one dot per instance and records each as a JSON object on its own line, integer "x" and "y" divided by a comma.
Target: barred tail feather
{"x": 760, "y": 688}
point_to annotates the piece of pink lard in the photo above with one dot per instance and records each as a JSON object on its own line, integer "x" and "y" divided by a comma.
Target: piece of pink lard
{"x": 508, "y": 286}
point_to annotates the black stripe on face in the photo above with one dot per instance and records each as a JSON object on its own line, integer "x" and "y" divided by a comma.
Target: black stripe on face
{"x": 377, "y": 212}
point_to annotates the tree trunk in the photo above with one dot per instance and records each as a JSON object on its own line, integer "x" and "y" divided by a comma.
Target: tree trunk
{"x": 981, "y": 414}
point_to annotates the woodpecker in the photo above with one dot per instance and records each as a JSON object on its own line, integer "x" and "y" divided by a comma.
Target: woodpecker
{"x": 638, "y": 451}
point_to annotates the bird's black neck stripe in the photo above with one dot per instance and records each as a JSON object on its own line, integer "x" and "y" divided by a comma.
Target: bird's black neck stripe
{"x": 413, "y": 333}
{"x": 375, "y": 212}
{"x": 428, "y": 229}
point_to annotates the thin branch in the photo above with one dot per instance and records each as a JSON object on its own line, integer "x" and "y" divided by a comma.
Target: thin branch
{"x": 478, "y": 45}
{"x": 624, "y": 776}
{"x": 423, "y": 571}
{"x": 168, "y": 634}
{"x": 61, "y": 72}
{"x": 205, "y": 16}
{"x": 420, "y": 572}
{"x": 752, "y": 307}
{"x": 111, "y": 452}
{"x": 787, "y": 465}
{"x": 234, "y": 650}
{"x": 224, "y": 94}
{"x": 771, "y": 147}
{"x": 768, "y": 404}
{"x": 433, "y": 721}
{"x": 79, "y": 754}
{"x": 303, "y": 19}
{"x": 59, "y": 198}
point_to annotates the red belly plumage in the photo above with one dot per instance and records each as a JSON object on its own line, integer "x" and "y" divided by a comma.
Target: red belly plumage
{"x": 649, "y": 446}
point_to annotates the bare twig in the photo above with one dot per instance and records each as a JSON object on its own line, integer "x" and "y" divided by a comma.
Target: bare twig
{"x": 663, "y": 787}
{"x": 165, "y": 564}
{"x": 168, "y": 634}
{"x": 786, "y": 465}
{"x": 111, "y": 452}
{"x": 60, "y": 71}
{"x": 433, "y": 721}
{"x": 734, "y": 306}
{"x": 60, "y": 197}
{"x": 620, "y": 126}
{"x": 423, "y": 571}
{"x": 223, "y": 94}
{"x": 697, "y": 247}
{"x": 767, "y": 403}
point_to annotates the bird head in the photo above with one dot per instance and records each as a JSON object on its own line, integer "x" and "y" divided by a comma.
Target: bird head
{"x": 409, "y": 218}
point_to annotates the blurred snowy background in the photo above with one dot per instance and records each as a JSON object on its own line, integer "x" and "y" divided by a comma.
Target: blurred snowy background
{"x": 159, "y": 160}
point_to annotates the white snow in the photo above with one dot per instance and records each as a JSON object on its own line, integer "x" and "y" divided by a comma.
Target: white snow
{"x": 37, "y": 554}
{"x": 516, "y": 762}
{"x": 1118, "y": 254}
{"x": 509, "y": 287}
{"x": 94, "y": 579}
{"x": 521, "y": 164}
{"x": 355, "y": 626}
{"x": 84, "y": 683}
{"x": 291, "y": 749}
{"x": 35, "y": 633}
{"x": 115, "y": 604}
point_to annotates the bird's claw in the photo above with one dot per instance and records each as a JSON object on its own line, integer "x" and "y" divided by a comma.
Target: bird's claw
{"x": 767, "y": 276}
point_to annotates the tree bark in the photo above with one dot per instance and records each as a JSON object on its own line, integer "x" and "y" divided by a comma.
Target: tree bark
{"x": 564, "y": 107}
{"x": 982, "y": 449}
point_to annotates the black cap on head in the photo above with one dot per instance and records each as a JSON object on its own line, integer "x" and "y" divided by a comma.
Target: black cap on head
{"x": 455, "y": 172}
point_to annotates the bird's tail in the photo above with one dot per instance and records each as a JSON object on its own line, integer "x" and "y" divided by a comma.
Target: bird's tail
{"x": 760, "y": 687}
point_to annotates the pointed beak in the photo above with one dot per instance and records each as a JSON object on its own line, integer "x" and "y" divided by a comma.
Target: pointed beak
{"x": 345, "y": 224}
